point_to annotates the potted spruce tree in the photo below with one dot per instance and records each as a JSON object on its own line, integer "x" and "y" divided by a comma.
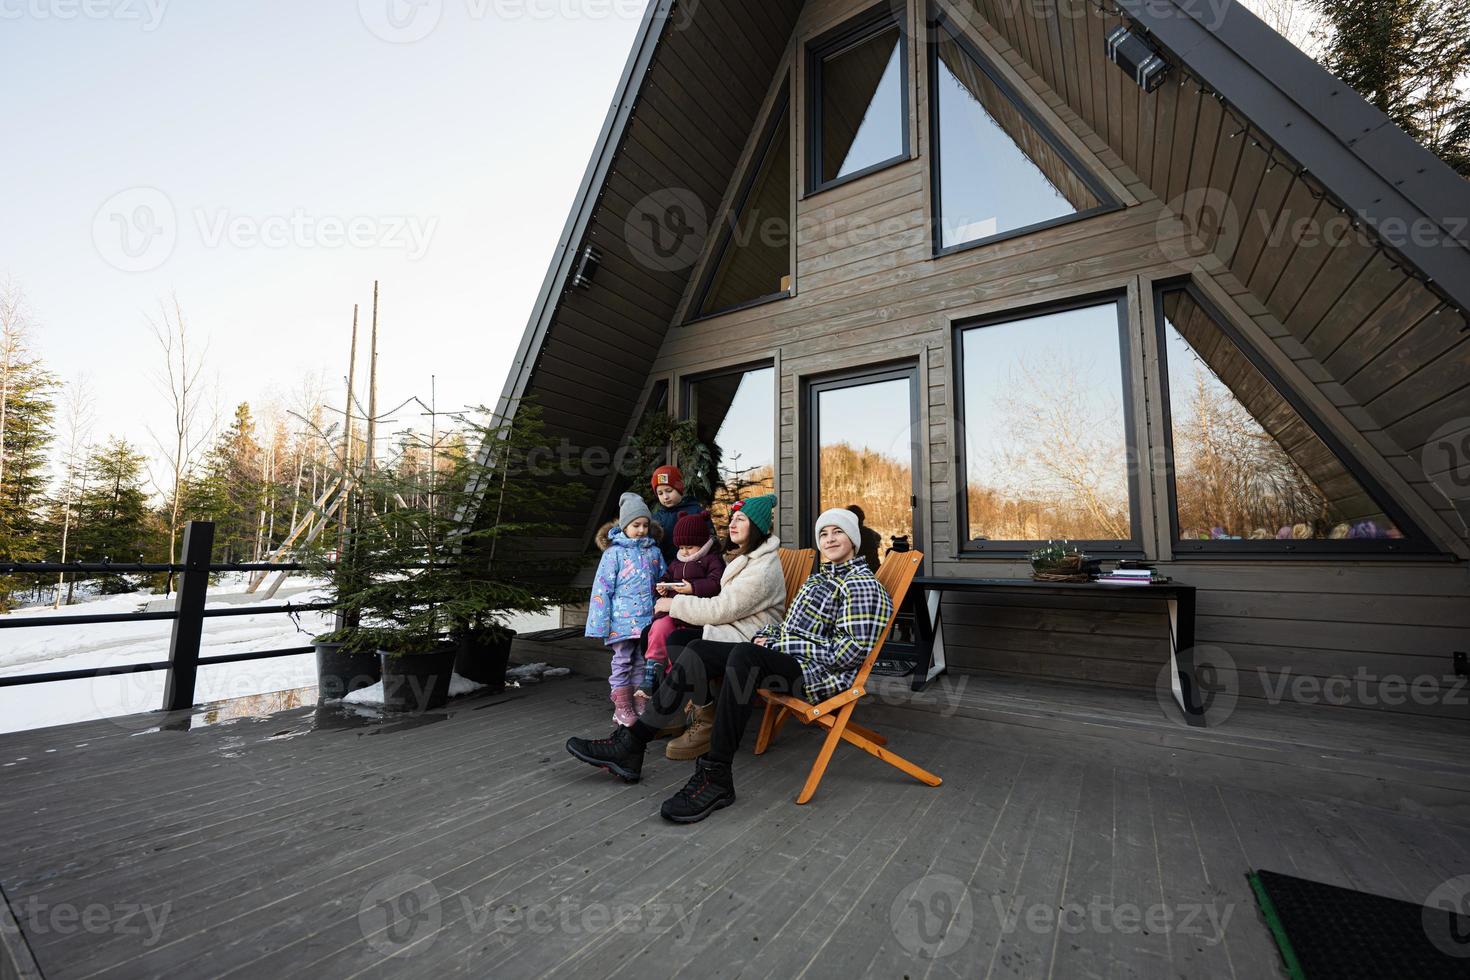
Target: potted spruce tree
{"x": 347, "y": 656}
{"x": 439, "y": 573}
{"x": 400, "y": 549}
{"x": 498, "y": 563}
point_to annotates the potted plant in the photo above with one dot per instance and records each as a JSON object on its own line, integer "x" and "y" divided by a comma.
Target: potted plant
{"x": 1059, "y": 562}
{"x": 396, "y": 540}
{"x": 442, "y": 567}
{"x": 347, "y": 656}
{"x": 496, "y": 562}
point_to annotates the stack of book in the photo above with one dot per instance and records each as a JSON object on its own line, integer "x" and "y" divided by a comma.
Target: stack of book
{"x": 1133, "y": 573}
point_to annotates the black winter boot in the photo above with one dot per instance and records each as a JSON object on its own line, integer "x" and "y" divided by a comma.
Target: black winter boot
{"x": 622, "y": 754}
{"x": 711, "y": 787}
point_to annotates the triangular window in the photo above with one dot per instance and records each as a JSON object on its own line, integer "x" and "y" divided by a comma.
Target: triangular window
{"x": 754, "y": 260}
{"x": 1249, "y": 470}
{"x": 997, "y": 170}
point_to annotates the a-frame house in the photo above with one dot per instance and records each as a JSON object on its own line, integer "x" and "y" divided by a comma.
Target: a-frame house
{"x": 947, "y": 260}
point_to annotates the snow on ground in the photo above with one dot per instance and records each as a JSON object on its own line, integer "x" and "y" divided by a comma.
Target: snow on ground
{"x": 51, "y": 648}
{"x": 373, "y": 693}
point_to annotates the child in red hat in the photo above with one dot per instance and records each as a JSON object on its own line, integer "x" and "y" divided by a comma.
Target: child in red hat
{"x": 696, "y": 570}
{"x": 668, "y": 487}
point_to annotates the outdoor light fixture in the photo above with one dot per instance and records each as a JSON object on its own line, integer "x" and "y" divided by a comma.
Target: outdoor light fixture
{"x": 1134, "y": 55}
{"x": 587, "y": 265}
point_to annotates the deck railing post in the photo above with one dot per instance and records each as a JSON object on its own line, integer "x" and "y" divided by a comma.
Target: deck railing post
{"x": 183, "y": 646}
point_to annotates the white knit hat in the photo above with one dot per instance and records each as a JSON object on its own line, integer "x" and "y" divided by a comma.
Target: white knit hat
{"x": 846, "y": 520}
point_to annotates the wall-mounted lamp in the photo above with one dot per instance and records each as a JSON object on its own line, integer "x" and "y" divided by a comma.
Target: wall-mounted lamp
{"x": 1135, "y": 56}
{"x": 587, "y": 265}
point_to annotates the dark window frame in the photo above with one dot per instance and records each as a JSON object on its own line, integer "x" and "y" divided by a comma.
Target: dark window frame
{"x": 780, "y": 112}
{"x": 1413, "y": 543}
{"x": 939, "y": 21}
{"x": 856, "y": 30}
{"x": 811, "y": 486}
{"x": 686, "y": 401}
{"x": 1132, "y": 547}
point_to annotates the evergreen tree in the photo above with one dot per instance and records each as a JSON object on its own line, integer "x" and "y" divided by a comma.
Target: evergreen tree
{"x": 1410, "y": 58}
{"x": 114, "y": 521}
{"x": 228, "y": 489}
{"x": 30, "y": 411}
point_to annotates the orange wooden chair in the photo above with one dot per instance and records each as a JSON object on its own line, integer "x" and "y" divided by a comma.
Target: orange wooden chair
{"x": 835, "y": 713}
{"x": 796, "y": 567}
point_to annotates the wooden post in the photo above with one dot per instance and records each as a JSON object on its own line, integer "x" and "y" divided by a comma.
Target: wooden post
{"x": 347, "y": 440}
{"x": 188, "y": 629}
{"x": 372, "y": 409}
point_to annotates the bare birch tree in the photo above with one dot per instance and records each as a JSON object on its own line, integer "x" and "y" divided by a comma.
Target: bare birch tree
{"x": 78, "y": 417}
{"x": 180, "y": 381}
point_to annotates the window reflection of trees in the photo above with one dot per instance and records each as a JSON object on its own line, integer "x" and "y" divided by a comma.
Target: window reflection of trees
{"x": 880, "y": 484}
{"x": 1246, "y": 464}
{"x": 1047, "y": 450}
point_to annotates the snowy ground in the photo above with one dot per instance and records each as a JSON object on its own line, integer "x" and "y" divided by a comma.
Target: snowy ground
{"x": 50, "y": 648}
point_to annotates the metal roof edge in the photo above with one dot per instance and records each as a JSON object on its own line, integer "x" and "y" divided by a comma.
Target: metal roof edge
{"x": 625, "y": 98}
{"x": 1381, "y": 172}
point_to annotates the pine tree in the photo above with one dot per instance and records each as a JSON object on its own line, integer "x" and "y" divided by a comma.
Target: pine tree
{"x": 228, "y": 489}
{"x": 114, "y": 522}
{"x": 30, "y": 408}
{"x": 1409, "y": 58}
{"x": 30, "y": 412}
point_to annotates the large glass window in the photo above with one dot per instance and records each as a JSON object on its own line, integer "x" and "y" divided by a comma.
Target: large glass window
{"x": 858, "y": 99}
{"x": 864, "y": 451}
{"x": 1249, "y": 471}
{"x": 1045, "y": 421}
{"x": 735, "y": 414}
{"x": 755, "y": 256}
{"x": 997, "y": 169}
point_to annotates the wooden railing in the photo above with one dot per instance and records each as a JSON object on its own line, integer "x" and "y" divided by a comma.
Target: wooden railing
{"x": 188, "y": 616}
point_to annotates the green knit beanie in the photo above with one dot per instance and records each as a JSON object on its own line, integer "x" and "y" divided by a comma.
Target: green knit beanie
{"x": 758, "y": 510}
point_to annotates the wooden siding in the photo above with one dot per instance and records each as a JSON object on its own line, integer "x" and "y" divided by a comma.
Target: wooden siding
{"x": 870, "y": 291}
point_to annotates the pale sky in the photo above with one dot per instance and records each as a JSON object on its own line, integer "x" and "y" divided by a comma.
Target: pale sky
{"x": 268, "y": 160}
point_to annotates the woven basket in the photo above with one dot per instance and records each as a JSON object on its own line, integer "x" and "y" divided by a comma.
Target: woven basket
{"x": 1067, "y": 569}
{"x": 1059, "y": 577}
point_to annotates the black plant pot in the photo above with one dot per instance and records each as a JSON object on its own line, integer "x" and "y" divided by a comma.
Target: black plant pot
{"x": 484, "y": 660}
{"x": 339, "y": 673}
{"x": 417, "y": 682}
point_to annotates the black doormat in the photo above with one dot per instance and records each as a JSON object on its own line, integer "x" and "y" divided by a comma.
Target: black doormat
{"x": 1329, "y": 933}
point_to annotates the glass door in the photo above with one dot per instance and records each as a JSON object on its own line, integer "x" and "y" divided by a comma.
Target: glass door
{"x": 862, "y": 447}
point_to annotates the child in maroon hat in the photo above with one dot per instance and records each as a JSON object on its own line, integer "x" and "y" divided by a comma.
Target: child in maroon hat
{"x": 695, "y": 570}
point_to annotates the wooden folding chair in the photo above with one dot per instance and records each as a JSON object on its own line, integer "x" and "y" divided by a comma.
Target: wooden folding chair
{"x": 835, "y": 713}
{"x": 796, "y": 567}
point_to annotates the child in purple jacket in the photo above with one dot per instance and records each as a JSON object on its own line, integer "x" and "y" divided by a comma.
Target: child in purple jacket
{"x": 696, "y": 569}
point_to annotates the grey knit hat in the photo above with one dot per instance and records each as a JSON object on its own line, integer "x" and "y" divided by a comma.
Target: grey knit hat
{"x": 630, "y": 508}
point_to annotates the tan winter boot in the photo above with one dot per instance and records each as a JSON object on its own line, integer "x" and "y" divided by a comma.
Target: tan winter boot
{"x": 695, "y": 740}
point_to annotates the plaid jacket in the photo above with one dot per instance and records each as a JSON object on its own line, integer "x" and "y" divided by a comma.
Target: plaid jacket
{"x": 832, "y": 625}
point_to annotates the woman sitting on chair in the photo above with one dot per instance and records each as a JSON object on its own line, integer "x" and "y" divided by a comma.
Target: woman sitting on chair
{"x": 815, "y": 652}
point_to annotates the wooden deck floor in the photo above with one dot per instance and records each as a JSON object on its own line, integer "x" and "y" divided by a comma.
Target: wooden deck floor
{"x": 467, "y": 842}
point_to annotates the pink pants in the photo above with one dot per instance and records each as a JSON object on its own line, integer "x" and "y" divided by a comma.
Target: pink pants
{"x": 656, "y": 654}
